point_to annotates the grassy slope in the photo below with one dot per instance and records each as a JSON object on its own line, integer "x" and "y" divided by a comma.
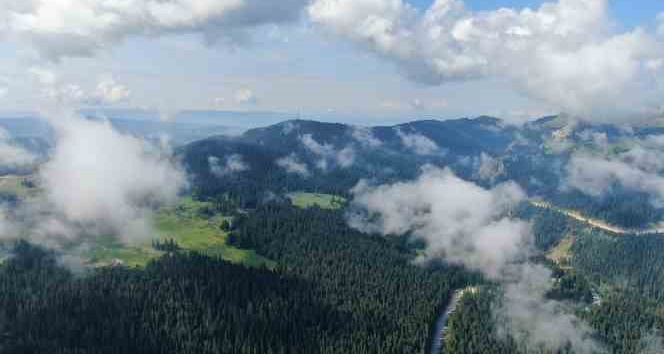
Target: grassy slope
{"x": 192, "y": 232}
{"x": 561, "y": 254}
{"x": 184, "y": 223}
{"x": 324, "y": 201}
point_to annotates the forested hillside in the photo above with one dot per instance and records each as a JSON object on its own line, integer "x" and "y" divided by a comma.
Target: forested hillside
{"x": 485, "y": 150}
{"x": 333, "y": 290}
{"x": 319, "y": 286}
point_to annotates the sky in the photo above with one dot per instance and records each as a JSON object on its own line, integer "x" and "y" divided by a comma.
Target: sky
{"x": 363, "y": 61}
{"x": 628, "y": 13}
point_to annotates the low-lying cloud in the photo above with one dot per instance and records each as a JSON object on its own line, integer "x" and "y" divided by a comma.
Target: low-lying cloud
{"x": 460, "y": 221}
{"x": 13, "y": 155}
{"x": 107, "y": 181}
{"x": 467, "y": 225}
{"x": 638, "y": 168}
{"x": 365, "y": 137}
{"x": 292, "y": 164}
{"x": 231, "y": 164}
{"x": 328, "y": 155}
{"x": 418, "y": 143}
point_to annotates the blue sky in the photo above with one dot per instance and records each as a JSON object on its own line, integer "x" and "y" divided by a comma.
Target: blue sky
{"x": 297, "y": 67}
{"x": 628, "y": 12}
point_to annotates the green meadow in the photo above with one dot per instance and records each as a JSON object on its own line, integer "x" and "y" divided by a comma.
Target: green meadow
{"x": 324, "y": 201}
{"x": 190, "y": 226}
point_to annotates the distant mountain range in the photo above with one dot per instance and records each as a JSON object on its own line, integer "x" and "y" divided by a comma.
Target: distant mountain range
{"x": 297, "y": 154}
{"x": 333, "y": 157}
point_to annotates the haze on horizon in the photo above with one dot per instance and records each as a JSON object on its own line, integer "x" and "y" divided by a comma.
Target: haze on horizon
{"x": 361, "y": 62}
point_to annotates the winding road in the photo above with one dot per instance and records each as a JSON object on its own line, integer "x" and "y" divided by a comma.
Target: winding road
{"x": 441, "y": 327}
{"x": 441, "y": 324}
{"x": 599, "y": 224}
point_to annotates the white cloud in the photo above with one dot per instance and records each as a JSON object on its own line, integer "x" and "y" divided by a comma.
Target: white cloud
{"x": 107, "y": 92}
{"x": 292, "y": 164}
{"x": 13, "y": 155}
{"x": 245, "y": 97}
{"x": 465, "y": 224}
{"x": 60, "y": 28}
{"x": 328, "y": 154}
{"x": 345, "y": 157}
{"x": 418, "y": 143}
{"x": 100, "y": 179}
{"x": 365, "y": 137}
{"x": 563, "y": 53}
{"x": 96, "y": 181}
{"x": 460, "y": 221}
{"x": 417, "y": 104}
{"x": 232, "y": 164}
{"x": 289, "y": 127}
{"x": 488, "y": 168}
{"x": 639, "y": 168}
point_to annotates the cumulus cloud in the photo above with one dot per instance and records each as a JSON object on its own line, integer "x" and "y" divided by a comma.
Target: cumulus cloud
{"x": 418, "y": 143}
{"x": 245, "y": 97}
{"x": 639, "y": 168}
{"x": 107, "y": 92}
{"x": 465, "y": 224}
{"x": 292, "y": 164}
{"x": 564, "y": 53}
{"x": 329, "y": 155}
{"x": 232, "y": 164}
{"x": 414, "y": 104}
{"x": 83, "y": 27}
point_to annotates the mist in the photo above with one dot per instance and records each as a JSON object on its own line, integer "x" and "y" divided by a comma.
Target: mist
{"x": 96, "y": 181}
{"x": 97, "y": 176}
{"x": 464, "y": 224}
{"x": 638, "y": 168}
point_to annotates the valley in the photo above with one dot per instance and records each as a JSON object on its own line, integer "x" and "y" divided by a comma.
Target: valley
{"x": 441, "y": 327}
{"x": 281, "y": 206}
{"x": 596, "y": 223}
{"x": 332, "y": 177}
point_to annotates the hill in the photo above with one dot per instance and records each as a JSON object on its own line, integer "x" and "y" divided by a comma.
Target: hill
{"x": 317, "y": 157}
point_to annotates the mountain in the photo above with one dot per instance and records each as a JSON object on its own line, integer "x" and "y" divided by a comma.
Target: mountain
{"x": 462, "y": 136}
{"x": 333, "y": 158}
{"x": 323, "y": 286}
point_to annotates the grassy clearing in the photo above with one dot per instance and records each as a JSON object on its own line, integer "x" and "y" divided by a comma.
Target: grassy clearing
{"x": 324, "y": 201}
{"x": 562, "y": 253}
{"x": 193, "y": 230}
